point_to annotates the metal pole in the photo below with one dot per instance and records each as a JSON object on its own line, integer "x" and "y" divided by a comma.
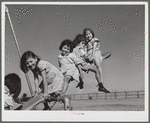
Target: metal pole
{"x": 17, "y": 45}
{"x": 126, "y": 94}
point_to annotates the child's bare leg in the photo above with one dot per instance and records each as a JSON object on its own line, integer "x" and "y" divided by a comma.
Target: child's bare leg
{"x": 101, "y": 87}
{"x": 65, "y": 99}
{"x": 97, "y": 75}
{"x": 67, "y": 102}
{"x": 98, "y": 66}
{"x": 66, "y": 82}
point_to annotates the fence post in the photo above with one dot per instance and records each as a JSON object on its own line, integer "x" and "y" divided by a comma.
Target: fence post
{"x": 137, "y": 94}
{"x": 96, "y": 95}
{"x": 126, "y": 94}
{"x": 81, "y": 96}
{"x": 105, "y": 96}
{"x": 115, "y": 95}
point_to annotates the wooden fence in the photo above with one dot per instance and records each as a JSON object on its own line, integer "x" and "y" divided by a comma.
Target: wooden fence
{"x": 112, "y": 95}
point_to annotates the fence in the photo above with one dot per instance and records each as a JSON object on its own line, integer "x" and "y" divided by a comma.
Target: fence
{"x": 112, "y": 95}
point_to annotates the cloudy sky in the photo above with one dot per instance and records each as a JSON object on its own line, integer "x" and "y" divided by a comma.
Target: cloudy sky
{"x": 120, "y": 29}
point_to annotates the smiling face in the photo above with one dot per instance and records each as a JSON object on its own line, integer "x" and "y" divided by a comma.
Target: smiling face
{"x": 65, "y": 50}
{"x": 31, "y": 63}
{"x": 88, "y": 36}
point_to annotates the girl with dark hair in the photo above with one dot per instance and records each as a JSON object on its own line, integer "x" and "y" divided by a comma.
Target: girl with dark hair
{"x": 79, "y": 51}
{"x": 52, "y": 83}
{"x": 69, "y": 64}
{"x": 12, "y": 89}
{"x": 93, "y": 51}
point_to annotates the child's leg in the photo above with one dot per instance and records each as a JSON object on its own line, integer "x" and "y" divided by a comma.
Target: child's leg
{"x": 97, "y": 75}
{"x": 99, "y": 80}
{"x": 66, "y": 100}
{"x": 97, "y": 61}
{"x": 98, "y": 66}
{"x": 67, "y": 79}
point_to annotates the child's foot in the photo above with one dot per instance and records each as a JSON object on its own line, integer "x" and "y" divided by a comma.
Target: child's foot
{"x": 102, "y": 88}
{"x": 67, "y": 103}
{"x": 80, "y": 84}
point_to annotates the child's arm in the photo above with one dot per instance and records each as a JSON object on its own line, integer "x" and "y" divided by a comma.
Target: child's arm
{"x": 59, "y": 63}
{"x": 77, "y": 62}
{"x": 94, "y": 40}
{"x": 83, "y": 54}
{"x": 94, "y": 47}
{"x": 36, "y": 83}
{"x": 86, "y": 58}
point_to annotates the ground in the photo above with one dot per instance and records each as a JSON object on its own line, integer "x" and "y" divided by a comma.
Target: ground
{"x": 105, "y": 105}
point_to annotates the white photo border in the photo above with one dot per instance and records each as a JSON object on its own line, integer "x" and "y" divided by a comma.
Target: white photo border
{"x": 68, "y": 115}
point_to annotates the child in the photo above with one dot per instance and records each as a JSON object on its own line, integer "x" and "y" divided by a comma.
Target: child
{"x": 93, "y": 51}
{"x": 52, "y": 77}
{"x": 12, "y": 90}
{"x": 69, "y": 64}
{"x": 79, "y": 51}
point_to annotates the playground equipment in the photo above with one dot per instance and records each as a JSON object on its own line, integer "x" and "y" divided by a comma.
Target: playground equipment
{"x": 38, "y": 102}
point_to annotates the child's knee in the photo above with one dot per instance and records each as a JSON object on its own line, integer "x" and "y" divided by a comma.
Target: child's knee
{"x": 67, "y": 78}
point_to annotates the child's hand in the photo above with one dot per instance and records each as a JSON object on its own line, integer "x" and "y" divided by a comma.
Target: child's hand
{"x": 36, "y": 94}
{"x": 45, "y": 95}
{"x": 91, "y": 59}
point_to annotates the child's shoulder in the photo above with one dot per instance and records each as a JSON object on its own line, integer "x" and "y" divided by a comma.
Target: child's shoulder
{"x": 42, "y": 63}
{"x": 71, "y": 55}
{"x": 78, "y": 47}
{"x": 60, "y": 56}
{"x": 95, "y": 40}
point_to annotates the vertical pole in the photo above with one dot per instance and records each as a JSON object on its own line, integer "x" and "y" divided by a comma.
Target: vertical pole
{"x": 126, "y": 94}
{"x": 115, "y": 95}
{"x": 29, "y": 84}
{"x": 105, "y": 96}
{"x": 138, "y": 94}
{"x": 96, "y": 95}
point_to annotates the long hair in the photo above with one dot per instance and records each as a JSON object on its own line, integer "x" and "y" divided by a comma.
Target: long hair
{"x": 13, "y": 83}
{"x": 78, "y": 39}
{"x": 24, "y": 58}
{"x": 68, "y": 43}
{"x": 88, "y": 29}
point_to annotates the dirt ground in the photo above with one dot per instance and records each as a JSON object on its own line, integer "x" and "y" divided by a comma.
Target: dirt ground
{"x": 105, "y": 105}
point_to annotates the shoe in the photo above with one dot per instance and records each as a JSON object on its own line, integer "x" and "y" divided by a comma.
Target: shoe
{"x": 102, "y": 88}
{"x": 80, "y": 84}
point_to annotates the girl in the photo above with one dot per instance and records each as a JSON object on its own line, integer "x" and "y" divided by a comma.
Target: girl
{"x": 69, "y": 64}
{"x": 93, "y": 52}
{"x": 12, "y": 90}
{"x": 52, "y": 77}
{"x": 79, "y": 51}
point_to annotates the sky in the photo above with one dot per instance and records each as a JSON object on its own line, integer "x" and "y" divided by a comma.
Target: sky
{"x": 41, "y": 29}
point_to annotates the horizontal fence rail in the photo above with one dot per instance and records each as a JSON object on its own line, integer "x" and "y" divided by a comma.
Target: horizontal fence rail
{"x": 112, "y": 95}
